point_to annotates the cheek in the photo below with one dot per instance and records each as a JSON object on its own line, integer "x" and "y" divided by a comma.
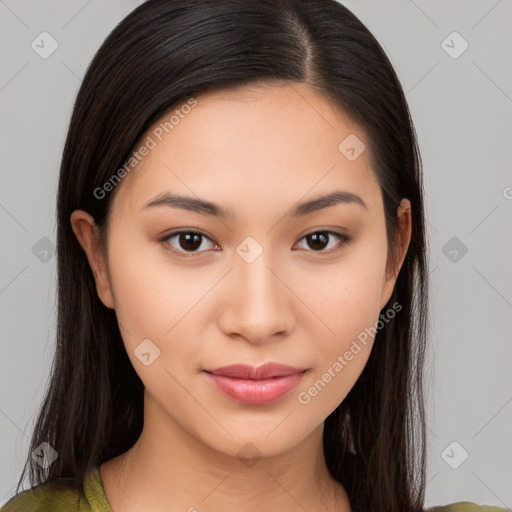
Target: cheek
{"x": 152, "y": 302}
{"x": 147, "y": 301}
{"x": 347, "y": 302}
{"x": 158, "y": 300}
{"x": 347, "y": 297}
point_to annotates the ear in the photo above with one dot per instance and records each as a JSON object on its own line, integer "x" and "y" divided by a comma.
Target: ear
{"x": 88, "y": 235}
{"x": 394, "y": 265}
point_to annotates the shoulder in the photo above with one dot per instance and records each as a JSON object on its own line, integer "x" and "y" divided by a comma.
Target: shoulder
{"x": 61, "y": 496}
{"x": 47, "y": 498}
{"x": 467, "y": 506}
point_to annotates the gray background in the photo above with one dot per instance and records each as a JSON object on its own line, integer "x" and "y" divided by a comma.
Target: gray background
{"x": 461, "y": 106}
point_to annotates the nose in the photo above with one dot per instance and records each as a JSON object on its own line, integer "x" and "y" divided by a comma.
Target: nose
{"x": 260, "y": 305}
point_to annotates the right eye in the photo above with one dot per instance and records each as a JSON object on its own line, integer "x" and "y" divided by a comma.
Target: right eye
{"x": 186, "y": 240}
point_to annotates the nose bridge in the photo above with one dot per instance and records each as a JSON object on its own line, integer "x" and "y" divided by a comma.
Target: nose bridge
{"x": 259, "y": 305}
{"x": 252, "y": 269}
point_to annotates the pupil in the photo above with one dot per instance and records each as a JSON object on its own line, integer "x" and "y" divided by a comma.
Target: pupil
{"x": 193, "y": 240}
{"x": 315, "y": 238}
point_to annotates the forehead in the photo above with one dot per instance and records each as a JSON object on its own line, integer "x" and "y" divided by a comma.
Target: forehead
{"x": 273, "y": 144}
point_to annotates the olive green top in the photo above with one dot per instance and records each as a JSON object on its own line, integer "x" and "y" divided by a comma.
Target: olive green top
{"x": 62, "y": 498}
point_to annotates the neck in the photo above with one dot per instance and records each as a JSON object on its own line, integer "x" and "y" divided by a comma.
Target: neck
{"x": 170, "y": 469}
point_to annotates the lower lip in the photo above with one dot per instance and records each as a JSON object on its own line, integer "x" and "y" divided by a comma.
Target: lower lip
{"x": 256, "y": 392}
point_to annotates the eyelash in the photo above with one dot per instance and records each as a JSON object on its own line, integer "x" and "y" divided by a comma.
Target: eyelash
{"x": 343, "y": 241}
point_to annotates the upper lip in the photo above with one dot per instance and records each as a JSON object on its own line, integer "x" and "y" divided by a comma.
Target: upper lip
{"x": 265, "y": 371}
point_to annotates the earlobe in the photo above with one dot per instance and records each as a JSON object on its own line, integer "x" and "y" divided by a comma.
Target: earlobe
{"x": 87, "y": 234}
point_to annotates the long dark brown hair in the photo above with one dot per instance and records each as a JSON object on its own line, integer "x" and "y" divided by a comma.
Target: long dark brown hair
{"x": 161, "y": 54}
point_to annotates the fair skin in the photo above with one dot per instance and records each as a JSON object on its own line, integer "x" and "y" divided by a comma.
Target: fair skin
{"x": 257, "y": 153}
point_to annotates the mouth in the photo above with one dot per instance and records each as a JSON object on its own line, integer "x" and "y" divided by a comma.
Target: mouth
{"x": 255, "y": 385}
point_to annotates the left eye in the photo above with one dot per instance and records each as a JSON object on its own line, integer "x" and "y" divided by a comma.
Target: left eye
{"x": 191, "y": 241}
{"x": 318, "y": 239}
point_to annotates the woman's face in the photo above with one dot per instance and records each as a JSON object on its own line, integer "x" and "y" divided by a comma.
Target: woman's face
{"x": 257, "y": 285}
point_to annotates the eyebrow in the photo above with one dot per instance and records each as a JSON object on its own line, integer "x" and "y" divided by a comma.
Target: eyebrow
{"x": 209, "y": 208}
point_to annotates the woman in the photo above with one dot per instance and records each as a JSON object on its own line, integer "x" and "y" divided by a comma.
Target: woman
{"x": 242, "y": 276}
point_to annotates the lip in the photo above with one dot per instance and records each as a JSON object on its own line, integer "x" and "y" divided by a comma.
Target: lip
{"x": 247, "y": 371}
{"x": 255, "y": 385}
